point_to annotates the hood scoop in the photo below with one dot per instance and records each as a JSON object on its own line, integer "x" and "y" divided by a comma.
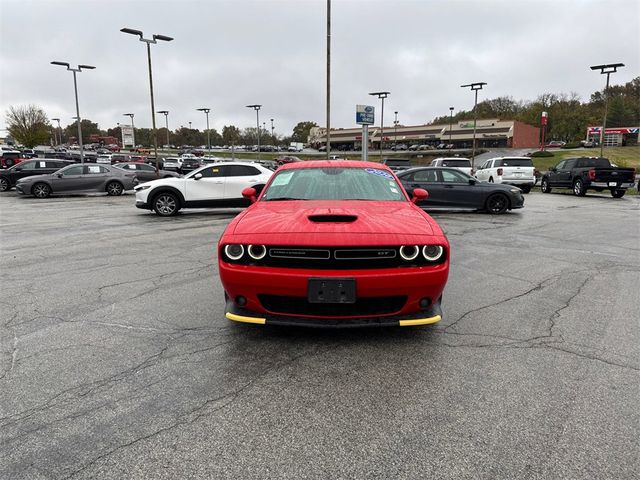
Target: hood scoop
{"x": 332, "y": 218}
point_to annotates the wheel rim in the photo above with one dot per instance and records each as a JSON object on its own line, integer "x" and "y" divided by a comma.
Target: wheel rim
{"x": 544, "y": 185}
{"x": 114, "y": 189}
{"x": 40, "y": 191}
{"x": 497, "y": 204}
{"x": 577, "y": 188}
{"x": 4, "y": 185}
{"x": 166, "y": 204}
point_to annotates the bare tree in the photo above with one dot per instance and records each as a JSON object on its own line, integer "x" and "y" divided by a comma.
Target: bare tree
{"x": 28, "y": 125}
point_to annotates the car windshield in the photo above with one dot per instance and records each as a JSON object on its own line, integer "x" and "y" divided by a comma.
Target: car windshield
{"x": 334, "y": 183}
{"x": 515, "y": 162}
{"x": 456, "y": 163}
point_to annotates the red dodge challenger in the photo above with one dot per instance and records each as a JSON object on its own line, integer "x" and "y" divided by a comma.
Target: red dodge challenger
{"x": 333, "y": 244}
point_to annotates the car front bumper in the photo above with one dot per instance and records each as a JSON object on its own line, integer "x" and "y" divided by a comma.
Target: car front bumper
{"x": 280, "y": 296}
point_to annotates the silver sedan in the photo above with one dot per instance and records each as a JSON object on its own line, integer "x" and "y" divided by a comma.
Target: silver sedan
{"x": 87, "y": 178}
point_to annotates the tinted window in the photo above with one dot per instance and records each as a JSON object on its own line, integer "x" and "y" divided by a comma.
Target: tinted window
{"x": 515, "y": 162}
{"x": 449, "y": 176}
{"x": 75, "y": 170}
{"x": 146, "y": 168}
{"x": 571, "y": 163}
{"x": 456, "y": 163}
{"x": 425, "y": 176}
{"x": 55, "y": 164}
{"x": 594, "y": 162}
{"x": 560, "y": 166}
{"x": 26, "y": 165}
{"x": 213, "y": 172}
{"x": 240, "y": 171}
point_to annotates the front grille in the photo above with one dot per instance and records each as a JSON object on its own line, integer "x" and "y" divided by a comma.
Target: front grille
{"x": 362, "y": 307}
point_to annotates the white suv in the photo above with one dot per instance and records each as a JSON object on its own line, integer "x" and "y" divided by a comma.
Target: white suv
{"x": 460, "y": 163}
{"x": 517, "y": 171}
{"x": 214, "y": 185}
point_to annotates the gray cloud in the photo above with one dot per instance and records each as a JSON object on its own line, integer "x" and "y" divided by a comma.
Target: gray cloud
{"x": 227, "y": 54}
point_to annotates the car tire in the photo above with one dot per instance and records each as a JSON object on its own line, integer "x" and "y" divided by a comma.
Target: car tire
{"x": 544, "y": 186}
{"x": 4, "y": 184}
{"x": 525, "y": 189}
{"x": 497, "y": 203}
{"x": 114, "y": 189}
{"x": 41, "y": 190}
{"x": 617, "y": 193}
{"x": 578, "y": 188}
{"x": 166, "y": 204}
{"x": 9, "y": 162}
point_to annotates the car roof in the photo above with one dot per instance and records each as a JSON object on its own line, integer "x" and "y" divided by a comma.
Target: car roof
{"x": 415, "y": 169}
{"x": 453, "y": 158}
{"x": 508, "y": 156}
{"x": 334, "y": 164}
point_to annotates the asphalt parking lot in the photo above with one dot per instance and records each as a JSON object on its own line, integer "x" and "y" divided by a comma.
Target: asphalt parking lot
{"x": 116, "y": 360}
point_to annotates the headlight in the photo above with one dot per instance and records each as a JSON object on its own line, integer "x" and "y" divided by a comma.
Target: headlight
{"x": 257, "y": 252}
{"x": 409, "y": 252}
{"x": 141, "y": 187}
{"x": 234, "y": 251}
{"x": 514, "y": 190}
{"x": 432, "y": 252}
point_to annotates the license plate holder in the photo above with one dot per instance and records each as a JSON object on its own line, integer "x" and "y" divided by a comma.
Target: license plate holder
{"x": 613, "y": 184}
{"x": 331, "y": 290}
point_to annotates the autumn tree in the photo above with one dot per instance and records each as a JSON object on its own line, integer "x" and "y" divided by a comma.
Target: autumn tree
{"x": 301, "y": 131}
{"x": 28, "y": 125}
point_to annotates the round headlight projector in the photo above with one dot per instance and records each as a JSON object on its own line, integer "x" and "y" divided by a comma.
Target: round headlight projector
{"x": 409, "y": 252}
{"x": 234, "y": 251}
{"x": 257, "y": 252}
{"x": 432, "y": 252}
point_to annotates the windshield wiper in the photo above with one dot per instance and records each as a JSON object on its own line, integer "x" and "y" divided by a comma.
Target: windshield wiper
{"x": 283, "y": 198}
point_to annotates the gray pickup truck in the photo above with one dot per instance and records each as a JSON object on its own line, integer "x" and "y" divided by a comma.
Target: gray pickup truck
{"x": 588, "y": 173}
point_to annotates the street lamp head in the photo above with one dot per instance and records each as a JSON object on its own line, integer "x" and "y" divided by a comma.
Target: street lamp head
{"x": 163, "y": 112}
{"x": 55, "y": 119}
{"x": 475, "y": 86}
{"x": 205, "y": 110}
{"x": 86, "y": 67}
{"x": 163, "y": 37}
{"x": 451, "y": 108}
{"x": 609, "y": 68}
{"x": 380, "y": 94}
{"x": 131, "y": 31}
{"x": 63, "y": 64}
{"x": 128, "y": 115}
{"x": 255, "y": 107}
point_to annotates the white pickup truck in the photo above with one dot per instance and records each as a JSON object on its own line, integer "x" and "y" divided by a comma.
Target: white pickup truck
{"x": 517, "y": 171}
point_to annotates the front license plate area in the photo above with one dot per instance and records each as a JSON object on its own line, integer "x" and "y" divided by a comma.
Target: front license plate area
{"x": 613, "y": 184}
{"x": 331, "y": 290}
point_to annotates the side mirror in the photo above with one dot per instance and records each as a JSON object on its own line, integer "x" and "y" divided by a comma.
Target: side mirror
{"x": 197, "y": 176}
{"x": 419, "y": 194}
{"x": 59, "y": 175}
{"x": 553, "y": 169}
{"x": 18, "y": 169}
{"x": 250, "y": 193}
{"x": 472, "y": 181}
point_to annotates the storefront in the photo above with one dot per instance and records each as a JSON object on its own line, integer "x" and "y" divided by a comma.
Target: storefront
{"x": 614, "y": 137}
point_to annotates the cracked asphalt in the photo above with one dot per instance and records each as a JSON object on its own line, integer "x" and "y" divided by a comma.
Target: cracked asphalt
{"x": 116, "y": 360}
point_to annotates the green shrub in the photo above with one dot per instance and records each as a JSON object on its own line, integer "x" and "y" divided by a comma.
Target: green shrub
{"x": 542, "y": 153}
{"x": 572, "y": 145}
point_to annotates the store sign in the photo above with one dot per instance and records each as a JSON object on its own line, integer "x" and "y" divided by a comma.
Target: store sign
{"x": 127, "y": 136}
{"x": 624, "y": 131}
{"x": 365, "y": 114}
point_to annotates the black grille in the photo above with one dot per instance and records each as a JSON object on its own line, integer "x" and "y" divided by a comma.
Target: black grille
{"x": 362, "y": 307}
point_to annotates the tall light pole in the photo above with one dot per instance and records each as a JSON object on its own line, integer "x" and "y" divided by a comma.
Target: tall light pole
{"x": 257, "y": 109}
{"x": 328, "y": 79}
{"x": 474, "y": 87}
{"x": 79, "y": 68}
{"x": 166, "y": 122}
{"x": 381, "y": 96}
{"x": 148, "y": 41}
{"x": 59, "y": 129}
{"x": 450, "y": 123}
{"x": 206, "y": 111}
{"x": 189, "y": 125}
{"x": 395, "y": 132}
{"x": 133, "y": 129}
{"x": 608, "y": 69}
{"x": 273, "y": 138}
{"x": 55, "y": 136}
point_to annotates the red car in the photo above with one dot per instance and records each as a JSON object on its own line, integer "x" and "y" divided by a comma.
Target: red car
{"x": 333, "y": 244}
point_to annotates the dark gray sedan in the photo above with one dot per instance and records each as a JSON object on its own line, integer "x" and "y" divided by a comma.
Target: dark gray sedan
{"x": 449, "y": 188}
{"x": 87, "y": 178}
{"x": 145, "y": 172}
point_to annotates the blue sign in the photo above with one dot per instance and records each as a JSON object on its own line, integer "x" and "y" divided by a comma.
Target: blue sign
{"x": 365, "y": 114}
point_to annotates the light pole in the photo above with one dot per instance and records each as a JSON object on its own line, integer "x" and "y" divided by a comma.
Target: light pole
{"x": 148, "y": 41}
{"x": 257, "y": 109}
{"x": 608, "y": 69}
{"x": 273, "y": 138}
{"x": 206, "y": 111}
{"x": 59, "y": 129}
{"x": 57, "y": 140}
{"x": 75, "y": 88}
{"x": 328, "y": 79}
{"x": 474, "y": 87}
{"x": 189, "y": 125}
{"x": 166, "y": 122}
{"x": 450, "y": 123}
{"x": 133, "y": 129}
{"x": 395, "y": 132}
{"x": 381, "y": 96}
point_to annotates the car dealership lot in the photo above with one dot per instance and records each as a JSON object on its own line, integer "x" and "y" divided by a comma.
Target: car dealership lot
{"x": 116, "y": 360}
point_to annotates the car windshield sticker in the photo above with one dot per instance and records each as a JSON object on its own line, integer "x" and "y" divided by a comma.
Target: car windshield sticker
{"x": 394, "y": 190}
{"x": 380, "y": 173}
{"x": 282, "y": 179}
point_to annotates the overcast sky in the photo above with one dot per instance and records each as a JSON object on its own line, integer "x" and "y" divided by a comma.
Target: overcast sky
{"x": 228, "y": 54}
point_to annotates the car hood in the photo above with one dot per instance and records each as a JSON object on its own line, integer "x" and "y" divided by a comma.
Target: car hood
{"x": 344, "y": 222}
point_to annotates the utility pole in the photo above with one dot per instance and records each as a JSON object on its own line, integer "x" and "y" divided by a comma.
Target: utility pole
{"x": 381, "y": 96}
{"x": 608, "y": 70}
{"x": 474, "y": 87}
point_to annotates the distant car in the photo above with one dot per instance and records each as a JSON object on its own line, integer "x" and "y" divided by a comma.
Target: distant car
{"x": 28, "y": 168}
{"x": 462, "y": 164}
{"x": 189, "y": 164}
{"x": 120, "y": 158}
{"x": 414, "y": 147}
{"x": 397, "y": 164}
{"x": 145, "y": 172}
{"x": 214, "y": 185}
{"x": 138, "y": 159}
{"x": 517, "y": 171}
{"x": 556, "y": 144}
{"x": 588, "y": 143}
{"x": 104, "y": 159}
{"x": 172, "y": 164}
{"x": 78, "y": 179}
{"x": 287, "y": 159}
{"x": 10, "y": 157}
{"x": 399, "y": 147}
{"x": 450, "y": 188}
